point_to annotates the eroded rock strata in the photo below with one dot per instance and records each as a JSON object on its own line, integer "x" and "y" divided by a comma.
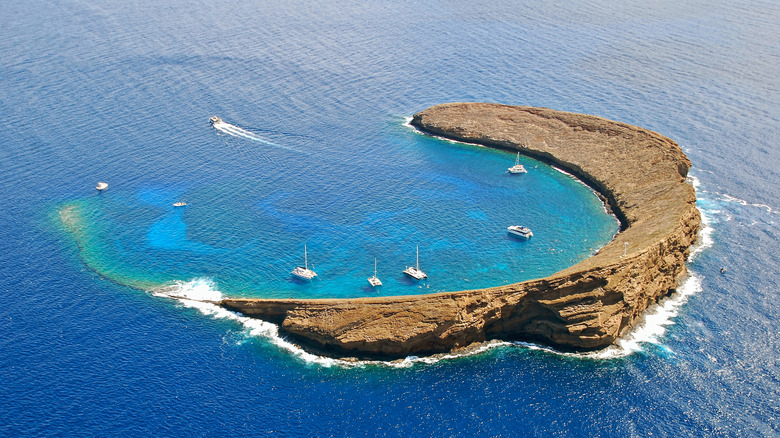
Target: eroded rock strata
{"x": 641, "y": 175}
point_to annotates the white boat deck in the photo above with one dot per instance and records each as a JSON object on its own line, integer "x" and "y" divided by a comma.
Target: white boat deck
{"x": 520, "y": 231}
{"x": 304, "y": 273}
{"x": 415, "y": 273}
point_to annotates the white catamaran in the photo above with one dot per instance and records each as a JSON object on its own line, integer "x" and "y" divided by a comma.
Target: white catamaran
{"x": 414, "y": 271}
{"x": 520, "y": 231}
{"x": 374, "y": 281}
{"x": 517, "y": 168}
{"x": 304, "y": 272}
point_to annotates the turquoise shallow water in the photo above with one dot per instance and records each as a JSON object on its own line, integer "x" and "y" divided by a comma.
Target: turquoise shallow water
{"x": 246, "y": 233}
{"x": 319, "y": 92}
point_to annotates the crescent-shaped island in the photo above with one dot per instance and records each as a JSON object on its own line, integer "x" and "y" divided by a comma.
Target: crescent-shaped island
{"x": 640, "y": 174}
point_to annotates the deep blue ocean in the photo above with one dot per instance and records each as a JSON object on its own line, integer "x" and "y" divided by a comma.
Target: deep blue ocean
{"x": 105, "y": 324}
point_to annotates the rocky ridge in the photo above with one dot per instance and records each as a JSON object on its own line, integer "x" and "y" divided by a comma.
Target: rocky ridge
{"x": 640, "y": 174}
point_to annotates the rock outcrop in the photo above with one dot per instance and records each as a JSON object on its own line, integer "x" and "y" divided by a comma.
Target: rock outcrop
{"x": 640, "y": 174}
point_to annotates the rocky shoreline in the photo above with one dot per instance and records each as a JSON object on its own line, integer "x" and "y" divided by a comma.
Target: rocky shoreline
{"x": 640, "y": 174}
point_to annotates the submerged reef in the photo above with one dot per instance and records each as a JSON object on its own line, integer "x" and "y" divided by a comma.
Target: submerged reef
{"x": 640, "y": 174}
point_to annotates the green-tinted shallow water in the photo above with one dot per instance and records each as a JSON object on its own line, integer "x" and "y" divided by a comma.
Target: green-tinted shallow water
{"x": 246, "y": 233}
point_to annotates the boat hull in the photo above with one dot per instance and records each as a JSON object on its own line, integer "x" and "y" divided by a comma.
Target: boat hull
{"x": 522, "y": 232}
{"x": 415, "y": 273}
{"x": 515, "y": 170}
{"x": 303, "y": 273}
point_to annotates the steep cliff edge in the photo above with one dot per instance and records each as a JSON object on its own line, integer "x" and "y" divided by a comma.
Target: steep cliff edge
{"x": 641, "y": 175}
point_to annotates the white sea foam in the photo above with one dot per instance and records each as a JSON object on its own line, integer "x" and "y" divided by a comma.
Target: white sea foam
{"x": 413, "y": 360}
{"x": 722, "y": 199}
{"x": 235, "y": 131}
{"x": 742, "y": 202}
{"x": 408, "y": 124}
{"x": 650, "y": 329}
{"x": 704, "y": 239}
{"x": 659, "y": 316}
{"x": 654, "y": 322}
{"x": 202, "y": 294}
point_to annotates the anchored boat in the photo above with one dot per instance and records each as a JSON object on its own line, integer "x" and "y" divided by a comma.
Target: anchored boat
{"x": 414, "y": 271}
{"x": 517, "y": 168}
{"x": 520, "y": 231}
{"x": 374, "y": 281}
{"x": 102, "y": 186}
{"x": 304, "y": 272}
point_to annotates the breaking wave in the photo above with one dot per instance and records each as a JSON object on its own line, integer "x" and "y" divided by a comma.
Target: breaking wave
{"x": 652, "y": 327}
{"x": 650, "y": 330}
{"x": 744, "y": 203}
{"x": 202, "y": 294}
{"x": 708, "y": 214}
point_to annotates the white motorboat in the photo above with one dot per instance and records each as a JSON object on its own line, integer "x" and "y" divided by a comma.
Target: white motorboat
{"x": 519, "y": 230}
{"x": 179, "y": 204}
{"x": 374, "y": 281}
{"x": 102, "y": 186}
{"x": 414, "y": 271}
{"x": 517, "y": 168}
{"x": 214, "y": 120}
{"x": 304, "y": 272}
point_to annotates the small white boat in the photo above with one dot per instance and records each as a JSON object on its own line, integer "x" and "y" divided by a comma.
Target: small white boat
{"x": 374, "y": 281}
{"x": 102, "y": 186}
{"x": 304, "y": 272}
{"x": 517, "y": 168}
{"x": 214, "y": 120}
{"x": 519, "y": 230}
{"x": 179, "y": 204}
{"x": 414, "y": 271}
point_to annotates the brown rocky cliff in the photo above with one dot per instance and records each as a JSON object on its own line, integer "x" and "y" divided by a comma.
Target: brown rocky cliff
{"x": 641, "y": 175}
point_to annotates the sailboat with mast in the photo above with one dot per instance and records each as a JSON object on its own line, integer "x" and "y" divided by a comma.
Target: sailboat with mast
{"x": 517, "y": 168}
{"x": 304, "y": 272}
{"x": 414, "y": 271}
{"x": 374, "y": 281}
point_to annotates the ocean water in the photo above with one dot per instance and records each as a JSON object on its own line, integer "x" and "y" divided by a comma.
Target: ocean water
{"x": 244, "y": 235}
{"x": 107, "y": 328}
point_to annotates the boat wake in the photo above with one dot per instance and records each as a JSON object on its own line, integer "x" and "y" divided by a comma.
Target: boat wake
{"x": 236, "y": 131}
